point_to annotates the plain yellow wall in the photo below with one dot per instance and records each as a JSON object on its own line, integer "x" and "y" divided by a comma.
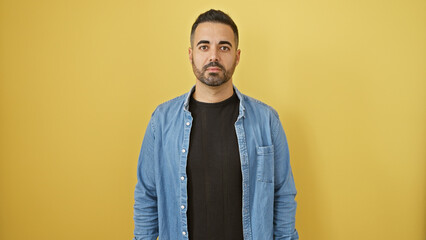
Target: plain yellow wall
{"x": 80, "y": 79}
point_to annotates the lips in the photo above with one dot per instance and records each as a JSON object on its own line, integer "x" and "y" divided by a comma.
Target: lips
{"x": 214, "y": 69}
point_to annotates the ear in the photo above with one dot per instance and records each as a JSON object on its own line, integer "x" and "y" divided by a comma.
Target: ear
{"x": 238, "y": 56}
{"x": 190, "y": 54}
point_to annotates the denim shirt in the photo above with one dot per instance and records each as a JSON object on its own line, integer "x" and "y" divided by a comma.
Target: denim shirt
{"x": 161, "y": 197}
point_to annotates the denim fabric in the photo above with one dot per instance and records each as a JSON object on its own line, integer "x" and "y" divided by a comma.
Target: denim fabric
{"x": 161, "y": 196}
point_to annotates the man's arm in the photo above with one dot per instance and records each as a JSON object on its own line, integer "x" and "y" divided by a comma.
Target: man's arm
{"x": 145, "y": 208}
{"x": 285, "y": 190}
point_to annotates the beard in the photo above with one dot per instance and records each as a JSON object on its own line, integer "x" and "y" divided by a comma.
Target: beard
{"x": 213, "y": 79}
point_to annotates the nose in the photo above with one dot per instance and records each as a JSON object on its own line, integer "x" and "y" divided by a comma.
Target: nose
{"x": 214, "y": 55}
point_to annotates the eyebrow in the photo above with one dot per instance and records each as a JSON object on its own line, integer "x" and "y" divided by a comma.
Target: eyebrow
{"x": 208, "y": 42}
{"x": 225, "y": 42}
{"x": 202, "y": 42}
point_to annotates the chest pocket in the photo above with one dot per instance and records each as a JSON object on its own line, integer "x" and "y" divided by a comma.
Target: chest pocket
{"x": 265, "y": 163}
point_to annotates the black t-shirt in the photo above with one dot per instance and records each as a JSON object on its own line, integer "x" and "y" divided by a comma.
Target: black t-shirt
{"x": 214, "y": 172}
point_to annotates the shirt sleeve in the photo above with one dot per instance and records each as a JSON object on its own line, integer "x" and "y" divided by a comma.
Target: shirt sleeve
{"x": 284, "y": 188}
{"x": 145, "y": 207}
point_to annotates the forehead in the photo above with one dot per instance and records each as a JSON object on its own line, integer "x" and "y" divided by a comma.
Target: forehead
{"x": 213, "y": 32}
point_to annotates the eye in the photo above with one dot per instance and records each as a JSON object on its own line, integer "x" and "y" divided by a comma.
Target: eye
{"x": 225, "y": 48}
{"x": 203, "y": 47}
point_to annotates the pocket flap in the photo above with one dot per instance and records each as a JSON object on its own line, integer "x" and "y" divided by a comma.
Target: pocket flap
{"x": 265, "y": 150}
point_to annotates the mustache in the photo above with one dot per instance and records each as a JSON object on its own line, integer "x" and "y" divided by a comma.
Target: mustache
{"x": 213, "y": 64}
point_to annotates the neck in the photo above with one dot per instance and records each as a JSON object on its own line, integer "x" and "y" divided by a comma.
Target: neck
{"x": 209, "y": 94}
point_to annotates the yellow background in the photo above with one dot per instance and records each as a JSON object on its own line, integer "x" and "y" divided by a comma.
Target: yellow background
{"x": 80, "y": 79}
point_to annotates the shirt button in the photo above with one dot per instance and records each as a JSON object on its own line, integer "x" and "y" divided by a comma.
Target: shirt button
{"x": 183, "y": 150}
{"x": 187, "y": 123}
{"x": 184, "y": 233}
{"x": 182, "y": 178}
{"x": 182, "y": 207}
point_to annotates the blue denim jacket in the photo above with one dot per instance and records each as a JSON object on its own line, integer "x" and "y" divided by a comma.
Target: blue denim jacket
{"x": 268, "y": 194}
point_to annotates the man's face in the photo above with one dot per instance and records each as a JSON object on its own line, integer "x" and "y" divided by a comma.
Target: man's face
{"x": 213, "y": 53}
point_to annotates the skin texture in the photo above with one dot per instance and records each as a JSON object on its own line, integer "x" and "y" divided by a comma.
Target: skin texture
{"x": 214, "y": 56}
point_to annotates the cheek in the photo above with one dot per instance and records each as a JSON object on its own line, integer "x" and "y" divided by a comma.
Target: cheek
{"x": 230, "y": 62}
{"x": 197, "y": 64}
{"x": 196, "y": 60}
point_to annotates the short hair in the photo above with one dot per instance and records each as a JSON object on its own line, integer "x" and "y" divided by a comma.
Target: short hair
{"x": 215, "y": 16}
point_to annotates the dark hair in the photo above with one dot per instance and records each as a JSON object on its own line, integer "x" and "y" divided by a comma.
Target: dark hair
{"x": 215, "y": 16}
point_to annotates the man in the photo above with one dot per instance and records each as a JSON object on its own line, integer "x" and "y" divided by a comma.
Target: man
{"x": 214, "y": 163}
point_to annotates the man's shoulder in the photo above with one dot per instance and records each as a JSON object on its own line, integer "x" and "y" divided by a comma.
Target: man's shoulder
{"x": 173, "y": 104}
{"x": 257, "y": 106}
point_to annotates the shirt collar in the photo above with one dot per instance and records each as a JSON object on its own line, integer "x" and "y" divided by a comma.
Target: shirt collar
{"x": 239, "y": 95}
